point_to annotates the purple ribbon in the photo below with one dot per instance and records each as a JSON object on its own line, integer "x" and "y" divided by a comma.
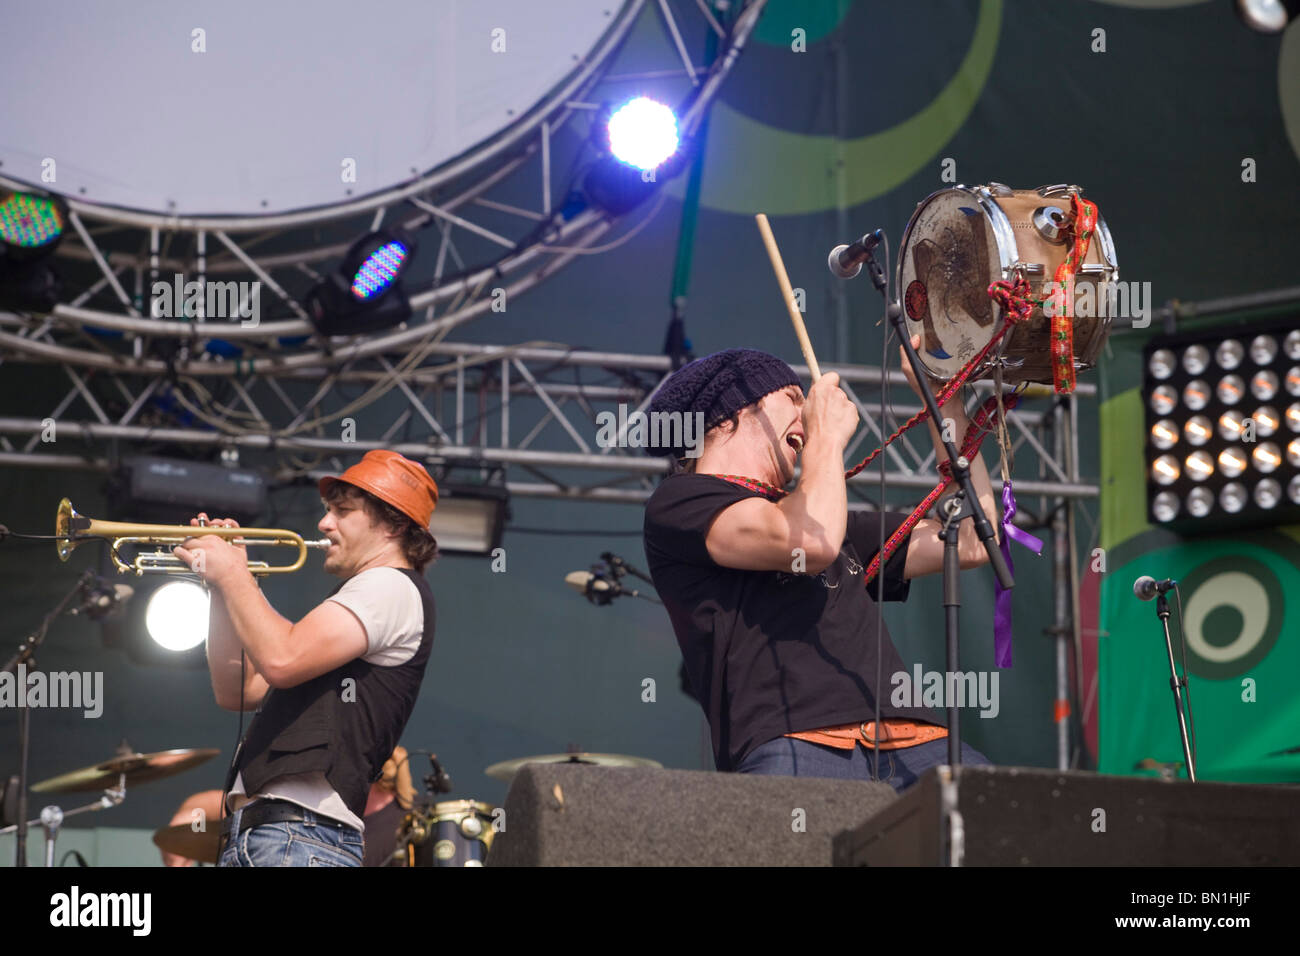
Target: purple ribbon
{"x": 1002, "y": 606}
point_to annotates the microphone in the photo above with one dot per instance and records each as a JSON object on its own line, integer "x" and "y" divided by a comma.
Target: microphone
{"x": 594, "y": 587}
{"x": 1147, "y": 587}
{"x": 99, "y": 599}
{"x": 438, "y": 780}
{"x": 846, "y": 261}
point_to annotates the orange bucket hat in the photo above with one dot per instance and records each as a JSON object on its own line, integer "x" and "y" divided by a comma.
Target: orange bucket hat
{"x": 388, "y": 476}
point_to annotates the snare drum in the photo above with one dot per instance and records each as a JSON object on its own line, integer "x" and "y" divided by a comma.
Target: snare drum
{"x": 452, "y": 833}
{"x": 962, "y": 239}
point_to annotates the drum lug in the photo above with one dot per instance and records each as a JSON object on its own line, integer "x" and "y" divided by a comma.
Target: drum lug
{"x": 1059, "y": 189}
{"x": 1031, "y": 268}
{"x": 999, "y": 190}
{"x": 1051, "y": 223}
{"x": 1092, "y": 269}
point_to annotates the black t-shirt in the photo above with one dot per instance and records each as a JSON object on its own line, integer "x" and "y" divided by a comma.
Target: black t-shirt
{"x": 769, "y": 652}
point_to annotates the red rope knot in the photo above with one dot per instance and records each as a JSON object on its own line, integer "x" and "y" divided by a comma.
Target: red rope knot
{"x": 1013, "y": 297}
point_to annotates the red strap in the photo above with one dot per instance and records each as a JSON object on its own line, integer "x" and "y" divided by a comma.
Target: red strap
{"x": 1085, "y": 224}
{"x": 980, "y": 426}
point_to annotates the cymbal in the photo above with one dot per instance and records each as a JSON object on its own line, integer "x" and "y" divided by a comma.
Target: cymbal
{"x": 183, "y": 841}
{"x": 507, "y": 769}
{"x": 139, "y": 768}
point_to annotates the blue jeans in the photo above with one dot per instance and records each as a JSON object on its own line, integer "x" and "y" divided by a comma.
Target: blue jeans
{"x": 791, "y": 757}
{"x": 304, "y": 843}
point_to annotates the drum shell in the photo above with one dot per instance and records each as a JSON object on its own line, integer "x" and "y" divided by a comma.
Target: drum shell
{"x": 436, "y": 836}
{"x": 1011, "y": 246}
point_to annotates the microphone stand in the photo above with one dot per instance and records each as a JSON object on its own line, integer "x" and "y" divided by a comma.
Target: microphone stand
{"x": 25, "y": 655}
{"x": 963, "y": 504}
{"x": 1176, "y": 684}
{"x": 619, "y": 568}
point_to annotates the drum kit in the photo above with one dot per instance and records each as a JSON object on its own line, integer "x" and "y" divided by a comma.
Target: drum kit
{"x": 460, "y": 832}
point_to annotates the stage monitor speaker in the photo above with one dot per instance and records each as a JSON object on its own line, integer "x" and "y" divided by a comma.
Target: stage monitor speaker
{"x": 1010, "y": 816}
{"x": 575, "y": 815}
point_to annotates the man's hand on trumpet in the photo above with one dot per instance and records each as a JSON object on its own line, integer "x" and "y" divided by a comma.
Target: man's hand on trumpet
{"x": 211, "y": 557}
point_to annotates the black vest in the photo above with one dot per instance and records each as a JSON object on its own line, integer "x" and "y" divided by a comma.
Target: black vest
{"x": 344, "y": 723}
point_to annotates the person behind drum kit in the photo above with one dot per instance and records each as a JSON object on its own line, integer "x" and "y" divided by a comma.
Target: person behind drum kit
{"x": 764, "y": 588}
{"x": 386, "y": 804}
{"x": 333, "y": 690}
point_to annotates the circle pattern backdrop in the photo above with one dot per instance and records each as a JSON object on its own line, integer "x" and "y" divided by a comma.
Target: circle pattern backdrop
{"x": 1233, "y": 610}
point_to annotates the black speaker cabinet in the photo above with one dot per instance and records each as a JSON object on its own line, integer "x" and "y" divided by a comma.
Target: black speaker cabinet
{"x": 574, "y": 815}
{"x": 1008, "y": 816}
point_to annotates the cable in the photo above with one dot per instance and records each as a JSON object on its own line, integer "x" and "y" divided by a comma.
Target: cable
{"x": 597, "y": 250}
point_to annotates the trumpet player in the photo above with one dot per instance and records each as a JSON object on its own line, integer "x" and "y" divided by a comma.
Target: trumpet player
{"x": 334, "y": 690}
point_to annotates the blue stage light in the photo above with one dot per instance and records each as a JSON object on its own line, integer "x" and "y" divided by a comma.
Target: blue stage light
{"x": 642, "y": 133}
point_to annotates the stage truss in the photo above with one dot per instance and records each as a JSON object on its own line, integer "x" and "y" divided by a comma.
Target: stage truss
{"x": 492, "y": 224}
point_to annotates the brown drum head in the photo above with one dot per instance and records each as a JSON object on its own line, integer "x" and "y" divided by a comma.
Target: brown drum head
{"x": 950, "y": 255}
{"x": 961, "y": 240}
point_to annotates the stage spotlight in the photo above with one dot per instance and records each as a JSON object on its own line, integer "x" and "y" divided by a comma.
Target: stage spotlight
{"x": 642, "y": 133}
{"x": 1231, "y": 389}
{"x": 1210, "y": 467}
{"x": 1229, "y": 354}
{"x": 1263, "y": 385}
{"x": 1196, "y": 395}
{"x": 1165, "y": 470}
{"x": 365, "y": 293}
{"x": 177, "y": 616}
{"x": 1165, "y": 506}
{"x": 1291, "y": 345}
{"x": 1263, "y": 349}
{"x": 1200, "y": 465}
{"x": 1266, "y": 420}
{"x": 1164, "y": 434}
{"x": 30, "y": 222}
{"x": 1198, "y": 430}
{"x": 1164, "y": 399}
{"x": 30, "y": 229}
{"x": 1196, "y": 359}
{"x": 640, "y": 147}
{"x": 1199, "y": 502}
{"x": 1268, "y": 16}
{"x": 470, "y": 518}
{"x": 1232, "y": 462}
{"x": 1162, "y": 363}
{"x": 1233, "y": 497}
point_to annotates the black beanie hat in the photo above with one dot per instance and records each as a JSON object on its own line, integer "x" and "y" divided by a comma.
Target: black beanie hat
{"x": 719, "y": 385}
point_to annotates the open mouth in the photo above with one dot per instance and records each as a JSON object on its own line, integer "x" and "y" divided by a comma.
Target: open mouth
{"x": 795, "y": 442}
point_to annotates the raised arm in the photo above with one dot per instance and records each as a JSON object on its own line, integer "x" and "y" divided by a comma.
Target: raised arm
{"x": 224, "y": 649}
{"x": 761, "y": 535}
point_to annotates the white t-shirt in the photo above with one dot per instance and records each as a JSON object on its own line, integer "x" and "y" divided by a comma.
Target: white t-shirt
{"x": 389, "y": 607}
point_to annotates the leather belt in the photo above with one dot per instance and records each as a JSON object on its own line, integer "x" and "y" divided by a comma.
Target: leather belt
{"x": 261, "y": 812}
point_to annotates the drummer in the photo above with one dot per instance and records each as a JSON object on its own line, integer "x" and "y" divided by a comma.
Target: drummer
{"x": 764, "y": 586}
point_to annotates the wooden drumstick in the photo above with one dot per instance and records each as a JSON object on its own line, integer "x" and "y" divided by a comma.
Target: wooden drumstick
{"x": 783, "y": 280}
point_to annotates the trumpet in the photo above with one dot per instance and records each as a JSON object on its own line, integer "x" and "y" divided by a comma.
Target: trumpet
{"x": 72, "y": 530}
